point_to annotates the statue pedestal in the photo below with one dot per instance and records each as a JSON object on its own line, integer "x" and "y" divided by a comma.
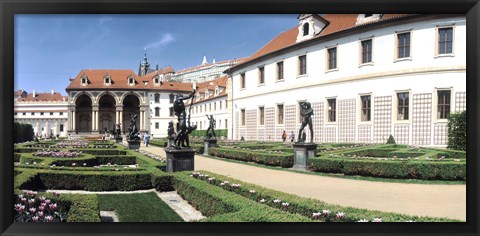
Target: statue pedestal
{"x": 301, "y": 153}
{"x": 180, "y": 159}
{"x": 170, "y": 141}
{"x": 118, "y": 139}
{"x": 133, "y": 144}
{"x": 208, "y": 143}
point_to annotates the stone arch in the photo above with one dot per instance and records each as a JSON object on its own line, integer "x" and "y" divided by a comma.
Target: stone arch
{"x": 103, "y": 93}
{"x": 75, "y": 97}
{"x": 140, "y": 97}
{"x": 83, "y": 113}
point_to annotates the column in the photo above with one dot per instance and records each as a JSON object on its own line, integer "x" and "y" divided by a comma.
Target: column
{"x": 73, "y": 121}
{"x": 141, "y": 120}
{"x": 95, "y": 118}
{"x": 56, "y": 128}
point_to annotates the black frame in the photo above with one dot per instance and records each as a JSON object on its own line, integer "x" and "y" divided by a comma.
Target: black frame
{"x": 9, "y": 8}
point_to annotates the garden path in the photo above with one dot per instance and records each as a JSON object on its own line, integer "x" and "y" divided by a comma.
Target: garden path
{"x": 434, "y": 200}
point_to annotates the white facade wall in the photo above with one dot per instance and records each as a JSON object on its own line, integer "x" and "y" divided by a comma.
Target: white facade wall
{"x": 422, "y": 74}
{"x": 46, "y": 124}
{"x": 164, "y": 116}
{"x": 220, "y": 114}
{"x": 203, "y": 74}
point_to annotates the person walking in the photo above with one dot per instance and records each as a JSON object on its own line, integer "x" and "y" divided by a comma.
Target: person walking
{"x": 146, "y": 139}
{"x": 292, "y": 137}
{"x": 284, "y": 136}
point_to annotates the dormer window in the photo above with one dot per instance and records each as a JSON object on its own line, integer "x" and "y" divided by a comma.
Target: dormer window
{"x": 305, "y": 29}
{"x": 366, "y": 18}
{"x": 217, "y": 91}
{"x": 207, "y": 94}
{"x": 107, "y": 80}
{"x": 84, "y": 81}
{"x": 156, "y": 80}
{"x": 131, "y": 80}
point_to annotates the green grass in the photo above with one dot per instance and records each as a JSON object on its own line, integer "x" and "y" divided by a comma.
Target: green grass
{"x": 138, "y": 207}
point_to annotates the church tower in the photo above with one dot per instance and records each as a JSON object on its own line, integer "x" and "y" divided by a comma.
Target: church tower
{"x": 144, "y": 66}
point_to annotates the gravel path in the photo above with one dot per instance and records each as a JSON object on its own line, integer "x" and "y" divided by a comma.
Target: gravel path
{"x": 414, "y": 199}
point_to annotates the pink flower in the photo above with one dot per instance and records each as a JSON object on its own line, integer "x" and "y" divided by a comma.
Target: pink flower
{"x": 316, "y": 215}
{"x": 47, "y": 201}
{"x": 31, "y": 201}
{"x": 40, "y": 214}
{"x": 326, "y": 212}
{"x": 49, "y": 218}
{"x": 35, "y": 219}
{"x": 340, "y": 215}
{"x": 41, "y": 208}
{"x": 377, "y": 220}
{"x": 19, "y": 208}
{"x": 32, "y": 210}
{"x": 23, "y": 199}
{"x": 42, "y": 198}
{"x": 53, "y": 206}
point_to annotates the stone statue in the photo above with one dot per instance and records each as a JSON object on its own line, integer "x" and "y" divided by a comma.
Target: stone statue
{"x": 184, "y": 128}
{"x": 171, "y": 131}
{"x": 132, "y": 129}
{"x": 211, "y": 128}
{"x": 306, "y": 113}
{"x": 118, "y": 131}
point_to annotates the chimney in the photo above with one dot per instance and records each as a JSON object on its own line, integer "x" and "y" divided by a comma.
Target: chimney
{"x": 204, "y": 60}
{"x": 213, "y": 60}
{"x": 53, "y": 92}
{"x": 34, "y": 93}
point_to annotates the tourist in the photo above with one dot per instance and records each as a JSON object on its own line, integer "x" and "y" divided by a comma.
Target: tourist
{"x": 284, "y": 136}
{"x": 292, "y": 137}
{"x": 146, "y": 139}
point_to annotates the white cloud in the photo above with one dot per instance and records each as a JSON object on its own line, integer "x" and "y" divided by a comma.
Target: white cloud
{"x": 104, "y": 19}
{"x": 166, "y": 39}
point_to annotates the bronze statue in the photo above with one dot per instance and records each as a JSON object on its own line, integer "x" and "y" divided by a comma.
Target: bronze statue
{"x": 306, "y": 113}
{"x": 171, "y": 131}
{"x": 132, "y": 130}
{"x": 211, "y": 131}
{"x": 118, "y": 131}
{"x": 184, "y": 127}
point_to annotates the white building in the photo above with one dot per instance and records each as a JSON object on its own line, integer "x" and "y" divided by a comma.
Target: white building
{"x": 204, "y": 72}
{"x": 366, "y": 75}
{"x": 46, "y": 112}
{"x": 210, "y": 99}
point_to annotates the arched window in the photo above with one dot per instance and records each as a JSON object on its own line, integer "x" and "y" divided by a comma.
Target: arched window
{"x": 171, "y": 97}
{"x": 157, "y": 111}
{"x": 306, "y": 27}
{"x": 157, "y": 98}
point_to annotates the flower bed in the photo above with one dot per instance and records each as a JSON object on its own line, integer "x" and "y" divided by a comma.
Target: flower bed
{"x": 72, "y": 144}
{"x": 57, "y": 154}
{"x": 314, "y": 209}
{"x": 32, "y": 208}
{"x": 273, "y": 159}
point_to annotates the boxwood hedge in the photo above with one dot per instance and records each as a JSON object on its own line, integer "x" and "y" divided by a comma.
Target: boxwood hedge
{"x": 273, "y": 159}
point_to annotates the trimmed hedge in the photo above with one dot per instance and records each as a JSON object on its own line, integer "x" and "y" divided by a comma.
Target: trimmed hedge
{"x": 384, "y": 152}
{"x": 83, "y": 207}
{"x": 16, "y": 157}
{"x": 457, "y": 131}
{"x": 428, "y": 170}
{"x": 271, "y": 159}
{"x": 452, "y": 154}
{"x": 223, "y": 206}
{"x": 306, "y": 206}
{"x": 201, "y": 133}
{"x": 22, "y": 132}
{"x": 102, "y": 151}
{"x": 113, "y": 159}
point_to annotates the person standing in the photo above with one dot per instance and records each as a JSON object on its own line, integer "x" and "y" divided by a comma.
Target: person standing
{"x": 284, "y": 136}
{"x": 146, "y": 138}
{"x": 292, "y": 137}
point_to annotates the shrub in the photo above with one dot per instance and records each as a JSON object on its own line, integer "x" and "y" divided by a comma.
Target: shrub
{"x": 114, "y": 159}
{"x": 201, "y": 133}
{"x": 440, "y": 170}
{"x": 162, "y": 181}
{"x": 457, "y": 131}
{"x": 22, "y": 132}
{"x": 16, "y": 157}
{"x": 272, "y": 159}
{"x": 391, "y": 140}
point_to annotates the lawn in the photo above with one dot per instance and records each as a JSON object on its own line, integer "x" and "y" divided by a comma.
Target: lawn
{"x": 138, "y": 207}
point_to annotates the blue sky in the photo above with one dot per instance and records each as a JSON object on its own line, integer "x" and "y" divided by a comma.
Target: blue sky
{"x": 49, "y": 49}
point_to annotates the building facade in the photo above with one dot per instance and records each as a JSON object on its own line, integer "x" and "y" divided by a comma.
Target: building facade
{"x": 204, "y": 72}
{"x": 46, "y": 112}
{"x": 367, "y": 76}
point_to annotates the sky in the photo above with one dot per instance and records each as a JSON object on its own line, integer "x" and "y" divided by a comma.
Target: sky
{"x": 49, "y": 49}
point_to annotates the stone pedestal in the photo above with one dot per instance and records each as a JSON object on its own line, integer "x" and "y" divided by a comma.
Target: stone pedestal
{"x": 180, "y": 159}
{"x": 118, "y": 139}
{"x": 133, "y": 144}
{"x": 208, "y": 143}
{"x": 301, "y": 153}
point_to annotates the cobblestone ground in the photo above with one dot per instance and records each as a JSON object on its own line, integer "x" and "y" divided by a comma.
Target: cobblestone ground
{"x": 413, "y": 199}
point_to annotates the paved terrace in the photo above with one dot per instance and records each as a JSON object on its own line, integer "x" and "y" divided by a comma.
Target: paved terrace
{"x": 434, "y": 200}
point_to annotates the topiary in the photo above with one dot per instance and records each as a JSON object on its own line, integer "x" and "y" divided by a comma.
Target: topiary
{"x": 391, "y": 140}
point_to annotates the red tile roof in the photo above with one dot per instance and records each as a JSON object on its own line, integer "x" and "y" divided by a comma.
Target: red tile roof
{"x": 19, "y": 92}
{"x": 162, "y": 71}
{"x": 43, "y": 97}
{"x": 337, "y": 23}
{"x": 220, "y": 82}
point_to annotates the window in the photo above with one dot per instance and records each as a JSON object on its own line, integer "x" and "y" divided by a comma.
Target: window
{"x": 210, "y": 107}
{"x": 15, "y": 114}
{"x": 366, "y": 51}
{"x": 41, "y": 113}
{"x": 156, "y": 80}
{"x": 302, "y": 63}
{"x": 280, "y": 70}
{"x": 107, "y": 80}
{"x": 261, "y": 114}
{"x": 157, "y": 111}
{"x": 171, "y": 97}
{"x": 368, "y": 15}
{"x": 443, "y": 109}
{"x": 280, "y": 114}
{"x": 261, "y": 75}
{"x": 402, "y": 106}
{"x": 33, "y": 113}
{"x": 332, "y": 58}
{"x": 61, "y": 128}
{"x": 24, "y": 113}
{"x": 157, "y": 98}
{"x": 84, "y": 80}
{"x": 332, "y": 108}
{"x": 366, "y": 107}
{"x": 131, "y": 80}
{"x": 171, "y": 111}
{"x": 157, "y": 125}
{"x": 306, "y": 27}
{"x": 51, "y": 113}
{"x": 196, "y": 109}
{"x": 220, "y": 105}
{"x": 226, "y": 104}
{"x": 403, "y": 45}
{"x": 201, "y": 108}
{"x": 445, "y": 39}
{"x": 226, "y": 126}
{"x": 214, "y": 106}
{"x": 242, "y": 117}
{"x": 61, "y": 113}
{"x": 242, "y": 80}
